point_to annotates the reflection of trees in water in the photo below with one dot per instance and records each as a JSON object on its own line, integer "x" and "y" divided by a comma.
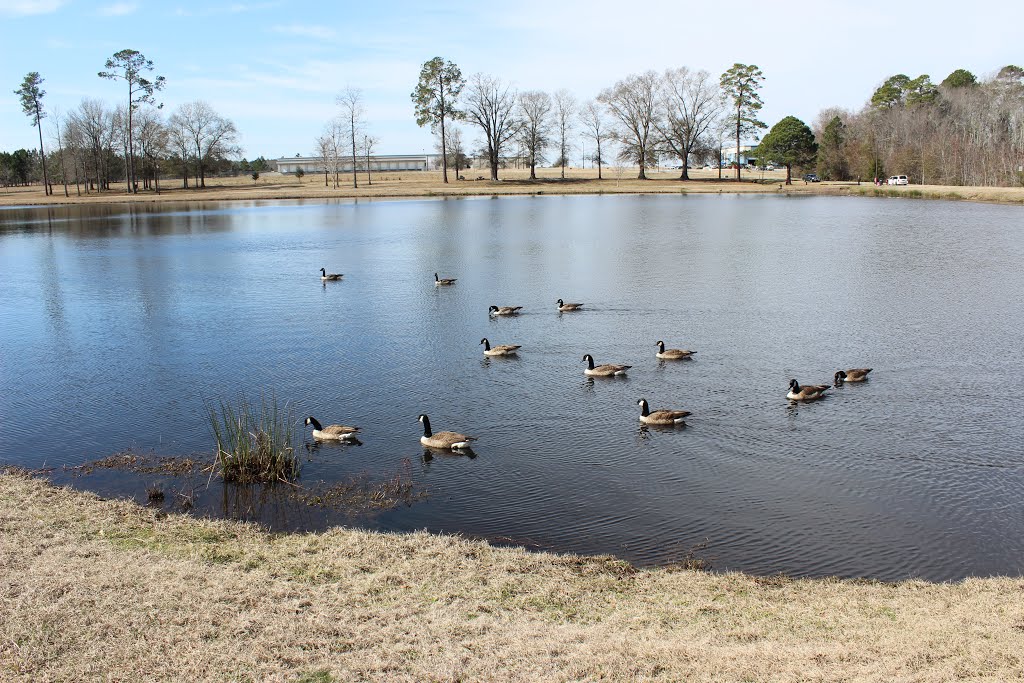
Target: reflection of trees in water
{"x": 53, "y": 297}
{"x": 118, "y": 220}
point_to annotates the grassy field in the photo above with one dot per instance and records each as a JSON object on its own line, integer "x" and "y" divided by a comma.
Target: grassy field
{"x": 94, "y": 589}
{"x": 514, "y": 182}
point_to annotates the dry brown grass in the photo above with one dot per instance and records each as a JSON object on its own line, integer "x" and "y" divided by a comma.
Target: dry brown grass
{"x": 514, "y": 182}
{"x": 106, "y": 590}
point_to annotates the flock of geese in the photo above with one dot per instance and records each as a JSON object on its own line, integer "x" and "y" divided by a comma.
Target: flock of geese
{"x": 454, "y": 441}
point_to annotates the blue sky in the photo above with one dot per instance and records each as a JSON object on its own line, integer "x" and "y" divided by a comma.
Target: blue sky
{"x": 274, "y": 67}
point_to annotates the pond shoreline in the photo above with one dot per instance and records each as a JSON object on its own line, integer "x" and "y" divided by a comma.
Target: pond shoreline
{"x": 83, "y": 577}
{"x": 275, "y": 186}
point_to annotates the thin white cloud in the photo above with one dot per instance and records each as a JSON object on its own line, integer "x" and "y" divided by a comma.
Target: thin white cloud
{"x": 21, "y": 8}
{"x": 118, "y": 9}
{"x": 235, "y": 8}
{"x": 319, "y": 32}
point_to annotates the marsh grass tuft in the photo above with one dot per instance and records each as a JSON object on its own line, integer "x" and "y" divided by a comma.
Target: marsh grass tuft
{"x": 154, "y": 495}
{"x": 255, "y": 443}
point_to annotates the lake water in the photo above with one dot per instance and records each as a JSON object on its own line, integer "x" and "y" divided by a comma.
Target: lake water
{"x": 118, "y": 322}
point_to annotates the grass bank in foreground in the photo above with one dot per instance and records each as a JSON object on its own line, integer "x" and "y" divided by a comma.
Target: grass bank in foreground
{"x": 95, "y": 589}
{"x": 272, "y": 186}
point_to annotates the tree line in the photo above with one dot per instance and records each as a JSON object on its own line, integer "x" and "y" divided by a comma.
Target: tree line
{"x": 682, "y": 113}
{"x": 97, "y": 144}
{"x": 961, "y": 131}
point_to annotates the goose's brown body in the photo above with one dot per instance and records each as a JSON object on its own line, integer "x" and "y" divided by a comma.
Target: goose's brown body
{"x": 672, "y": 354}
{"x": 807, "y": 392}
{"x": 852, "y": 375}
{"x": 449, "y": 441}
{"x": 500, "y": 349}
{"x": 332, "y": 432}
{"x": 660, "y": 417}
{"x": 562, "y": 306}
{"x": 606, "y": 370}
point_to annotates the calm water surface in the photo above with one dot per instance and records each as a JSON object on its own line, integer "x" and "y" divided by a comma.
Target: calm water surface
{"x": 116, "y": 323}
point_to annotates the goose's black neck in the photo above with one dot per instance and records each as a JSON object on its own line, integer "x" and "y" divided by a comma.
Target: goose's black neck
{"x": 426, "y": 427}
{"x": 316, "y": 425}
{"x": 645, "y": 410}
{"x": 487, "y": 344}
{"x": 661, "y": 347}
{"x": 590, "y": 362}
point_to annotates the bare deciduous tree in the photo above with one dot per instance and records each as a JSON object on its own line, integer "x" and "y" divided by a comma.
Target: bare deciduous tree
{"x": 213, "y": 136}
{"x": 369, "y": 142}
{"x": 690, "y": 104}
{"x": 58, "y": 137}
{"x": 565, "y": 111}
{"x": 595, "y": 128}
{"x": 535, "y": 129}
{"x": 94, "y": 124}
{"x": 351, "y": 102}
{"x": 456, "y": 151}
{"x": 331, "y": 147}
{"x": 151, "y": 134}
{"x": 490, "y": 105}
{"x": 632, "y": 103}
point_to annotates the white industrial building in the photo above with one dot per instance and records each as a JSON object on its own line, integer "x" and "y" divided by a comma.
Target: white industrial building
{"x": 378, "y": 163}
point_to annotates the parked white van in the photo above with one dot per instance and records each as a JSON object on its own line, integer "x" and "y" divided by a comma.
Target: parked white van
{"x": 898, "y": 180}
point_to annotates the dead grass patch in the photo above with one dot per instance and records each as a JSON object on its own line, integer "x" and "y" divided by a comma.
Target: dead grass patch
{"x": 141, "y": 463}
{"x": 108, "y": 590}
{"x": 617, "y": 180}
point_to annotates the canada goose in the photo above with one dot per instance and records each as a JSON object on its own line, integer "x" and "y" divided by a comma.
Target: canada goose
{"x": 854, "y": 375}
{"x": 331, "y": 432}
{"x": 671, "y": 354}
{"x": 660, "y": 417}
{"x": 504, "y": 310}
{"x": 452, "y": 441}
{"x": 562, "y": 306}
{"x": 500, "y": 350}
{"x": 607, "y": 370}
{"x": 805, "y": 393}
{"x": 444, "y": 281}
{"x": 324, "y": 275}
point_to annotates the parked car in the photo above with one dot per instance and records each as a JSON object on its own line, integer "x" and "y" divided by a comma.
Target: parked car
{"x": 897, "y": 180}
{"x": 812, "y": 178}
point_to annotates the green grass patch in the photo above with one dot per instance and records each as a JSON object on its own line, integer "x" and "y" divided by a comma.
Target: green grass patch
{"x": 255, "y": 443}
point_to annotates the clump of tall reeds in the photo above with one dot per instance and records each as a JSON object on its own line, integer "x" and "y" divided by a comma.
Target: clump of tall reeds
{"x": 255, "y": 443}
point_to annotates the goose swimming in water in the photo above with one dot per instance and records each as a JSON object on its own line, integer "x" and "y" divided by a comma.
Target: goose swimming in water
{"x": 607, "y": 370}
{"x": 499, "y": 350}
{"x": 562, "y": 306}
{"x": 331, "y": 432}
{"x": 660, "y": 417}
{"x": 807, "y": 392}
{"x": 444, "y": 281}
{"x": 671, "y": 354}
{"x": 854, "y": 375}
{"x": 449, "y": 441}
{"x": 504, "y": 310}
